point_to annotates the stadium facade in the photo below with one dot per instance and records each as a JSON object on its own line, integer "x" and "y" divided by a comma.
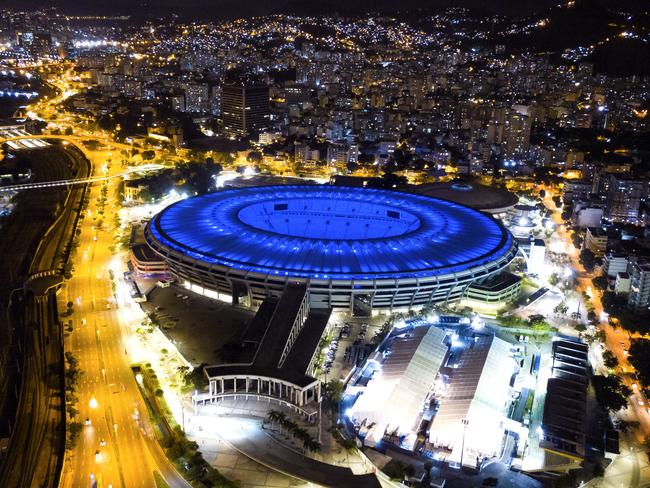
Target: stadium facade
{"x": 355, "y": 249}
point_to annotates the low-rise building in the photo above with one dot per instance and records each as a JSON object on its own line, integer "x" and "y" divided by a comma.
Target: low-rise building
{"x": 276, "y": 360}
{"x": 563, "y": 421}
{"x": 596, "y": 241}
{"x": 133, "y": 189}
{"x": 497, "y": 290}
{"x": 622, "y": 285}
{"x": 399, "y": 381}
{"x": 613, "y": 264}
{"x": 471, "y": 417}
{"x": 586, "y": 215}
{"x": 146, "y": 262}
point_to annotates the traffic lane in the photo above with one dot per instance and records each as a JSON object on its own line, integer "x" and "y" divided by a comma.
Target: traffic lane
{"x": 84, "y": 286}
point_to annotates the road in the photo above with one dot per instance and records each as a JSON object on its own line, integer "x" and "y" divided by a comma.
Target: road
{"x": 108, "y": 394}
{"x": 617, "y": 340}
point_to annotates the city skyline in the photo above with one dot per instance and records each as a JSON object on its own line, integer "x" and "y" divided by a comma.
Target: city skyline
{"x": 283, "y": 244}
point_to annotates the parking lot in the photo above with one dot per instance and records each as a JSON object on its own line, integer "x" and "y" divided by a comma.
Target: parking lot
{"x": 350, "y": 344}
{"x": 198, "y": 326}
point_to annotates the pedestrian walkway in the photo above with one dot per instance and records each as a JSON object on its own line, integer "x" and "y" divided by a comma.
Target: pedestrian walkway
{"x": 247, "y": 436}
{"x": 630, "y": 469}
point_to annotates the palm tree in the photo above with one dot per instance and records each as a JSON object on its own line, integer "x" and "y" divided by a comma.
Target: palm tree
{"x": 313, "y": 445}
{"x": 301, "y": 434}
{"x": 272, "y": 417}
{"x": 282, "y": 420}
{"x": 290, "y": 426}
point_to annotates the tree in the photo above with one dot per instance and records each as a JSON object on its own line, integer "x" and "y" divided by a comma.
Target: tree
{"x": 610, "y": 359}
{"x": 588, "y": 259}
{"x": 397, "y": 470}
{"x": 194, "y": 379}
{"x": 557, "y": 201}
{"x": 561, "y": 308}
{"x": 626, "y": 425}
{"x": 611, "y": 394}
{"x": 74, "y": 429}
{"x": 613, "y": 303}
{"x": 639, "y": 357}
{"x": 600, "y": 283}
{"x": 538, "y": 322}
{"x": 334, "y": 391}
{"x": 577, "y": 240}
{"x": 554, "y": 279}
{"x": 145, "y": 195}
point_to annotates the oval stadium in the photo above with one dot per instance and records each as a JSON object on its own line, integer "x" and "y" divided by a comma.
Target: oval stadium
{"x": 355, "y": 249}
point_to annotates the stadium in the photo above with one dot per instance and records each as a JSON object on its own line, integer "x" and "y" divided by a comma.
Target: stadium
{"x": 355, "y": 249}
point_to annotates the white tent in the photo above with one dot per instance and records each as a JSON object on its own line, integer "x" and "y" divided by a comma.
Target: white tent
{"x": 396, "y": 393}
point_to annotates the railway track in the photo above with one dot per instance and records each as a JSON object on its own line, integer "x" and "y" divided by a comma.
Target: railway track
{"x": 36, "y": 448}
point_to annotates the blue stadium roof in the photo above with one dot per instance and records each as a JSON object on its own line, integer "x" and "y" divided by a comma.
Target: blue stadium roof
{"x": 329, "y": 232}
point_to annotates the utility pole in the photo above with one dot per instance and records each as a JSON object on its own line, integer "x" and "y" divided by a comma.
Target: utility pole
{"x": 462, "y": 449}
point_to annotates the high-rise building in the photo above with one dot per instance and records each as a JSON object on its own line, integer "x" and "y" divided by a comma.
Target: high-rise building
{"x": 343, "y": 153}
{"x": 639, "y": 297}
{"x": 516, "y": 135}
{"x": 624, "y": 198}
{"x": 244, "y": 107}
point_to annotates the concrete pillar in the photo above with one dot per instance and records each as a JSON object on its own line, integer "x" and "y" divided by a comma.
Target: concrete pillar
{"x": 259, "y": 381}
{"x": 235, "y": 385}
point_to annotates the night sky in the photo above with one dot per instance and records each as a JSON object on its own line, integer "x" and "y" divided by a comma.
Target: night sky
{"x": 239, "y": 8}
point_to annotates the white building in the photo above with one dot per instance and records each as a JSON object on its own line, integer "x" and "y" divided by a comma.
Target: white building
{"x": 614, "y": 264}
{"x": 537, "y": 257}
{"x": 622, "y": 285}
{"x": 586, "y": 216}
{"x": 473, "y": 409}
{"x": 402, "y": 379}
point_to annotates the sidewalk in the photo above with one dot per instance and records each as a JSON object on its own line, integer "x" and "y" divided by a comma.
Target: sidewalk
{"x": 248, "y": 437}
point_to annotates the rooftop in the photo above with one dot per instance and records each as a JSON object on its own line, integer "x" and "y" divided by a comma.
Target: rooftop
{"x": 474, "y": 195}
{"x": 563, "y": 421}
{"x": 266, "y": 338}
{"x": 331, "y": 232}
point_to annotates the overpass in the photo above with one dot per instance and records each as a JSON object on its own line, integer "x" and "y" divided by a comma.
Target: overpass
{"x": 72, "y": 139}
{"x": 80, "y": 181}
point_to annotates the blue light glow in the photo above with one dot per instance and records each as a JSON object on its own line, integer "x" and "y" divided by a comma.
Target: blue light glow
{"x": 328, "y": 232}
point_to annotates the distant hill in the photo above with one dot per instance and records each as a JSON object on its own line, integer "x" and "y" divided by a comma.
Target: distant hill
{"x": 581, "y": 25}
{"x": 589, "y": 23}
{"x": 622, "y": 57}
{"x": 224, "y": 9}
